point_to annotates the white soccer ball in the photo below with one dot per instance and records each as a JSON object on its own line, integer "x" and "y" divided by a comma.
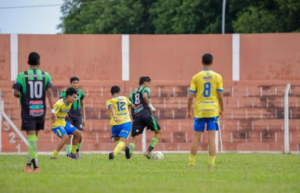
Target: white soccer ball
{"x": 158, "y": 155}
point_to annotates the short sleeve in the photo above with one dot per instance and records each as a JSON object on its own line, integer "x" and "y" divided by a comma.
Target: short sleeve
{"x": 128, "y": 101}
{"x": 193, "y": 86}
{"x": 131, "y": 97}
{"x": 220, "y": 84}
{"x": 56, "y": 107}
{"x": 63, "y": 94}
{"x": 148, "y": 91}
{"x": 81, "y": 95}
{"x": 48, "y": 81}
{"x": 18, "y": 83}
{"x": 108, "y": 103}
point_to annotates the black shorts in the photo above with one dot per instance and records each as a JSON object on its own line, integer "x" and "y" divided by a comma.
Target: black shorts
{"x": 76, "y": 122}
{"x": 32, "y": 125}
{"x": 145, "y": 120}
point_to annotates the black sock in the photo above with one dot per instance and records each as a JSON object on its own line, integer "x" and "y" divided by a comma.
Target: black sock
{"x": 35, "y": 163}
{"x": 150, "y": 148}
{"x": 77, "y": 150}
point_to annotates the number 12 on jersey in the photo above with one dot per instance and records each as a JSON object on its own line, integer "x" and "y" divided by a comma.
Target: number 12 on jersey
{"x": 121, "y": 106}
{"x": 206, "y": 92}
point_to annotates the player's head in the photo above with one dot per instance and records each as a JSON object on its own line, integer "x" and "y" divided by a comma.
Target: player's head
{"x": 115, "y": 90}
{"x": 207, "y": 59}
{"x": 33, "y": 59}
{"x": 145, "y": 81}
{"x": 71, "y": 95}
{"x": 74, "y": 81}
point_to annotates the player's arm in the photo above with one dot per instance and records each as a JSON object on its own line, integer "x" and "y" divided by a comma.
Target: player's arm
{"x": 146, "y": 97}
{"x": 50, "y": 96}
{"x": 220, "y": 98}
{"x": 220, "y": 95}
{"x": 83, "y": 112}
{"x": 112, "y": 111}
{"x": 17, "y": 87}
{"x": 192, "y": 92}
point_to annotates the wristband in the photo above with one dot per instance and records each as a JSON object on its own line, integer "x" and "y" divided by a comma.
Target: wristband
{"x": 151, "y": 107}
{"x": 52, "y": 111}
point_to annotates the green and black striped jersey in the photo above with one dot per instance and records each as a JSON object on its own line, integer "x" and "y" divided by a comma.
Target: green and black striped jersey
{"x": 32, "y": 85}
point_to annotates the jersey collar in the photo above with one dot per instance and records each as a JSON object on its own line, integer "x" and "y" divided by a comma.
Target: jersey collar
{"x": 65, "y": 102}
{"x": 206, "y": 69}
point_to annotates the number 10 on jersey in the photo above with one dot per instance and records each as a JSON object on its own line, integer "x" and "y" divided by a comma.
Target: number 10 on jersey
{"x": 206, "y": 92}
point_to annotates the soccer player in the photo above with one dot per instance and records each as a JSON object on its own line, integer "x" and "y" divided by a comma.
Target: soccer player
{"x": 119, "y": 120}
{"x": 76, "y": 115}
{"x": 61, "y": 127}
{"x": 142, "y": 115}
{"x": 31, "y": 88}
{"x": 208, "y": 87}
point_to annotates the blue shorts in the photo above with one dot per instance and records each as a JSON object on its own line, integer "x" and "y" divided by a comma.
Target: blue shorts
{"x": 122, "y": 130}
{"x": 211, "y": 124}
{"x": 68, "y": 129}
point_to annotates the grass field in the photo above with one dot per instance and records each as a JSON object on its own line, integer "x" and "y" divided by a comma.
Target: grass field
{"x": 95, "y": 173}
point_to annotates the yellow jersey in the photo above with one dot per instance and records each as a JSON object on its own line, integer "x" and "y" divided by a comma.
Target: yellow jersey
{"x": 120, "y": 105}
{"x": 61, "y": 110}
{"x": 206, "y": 84}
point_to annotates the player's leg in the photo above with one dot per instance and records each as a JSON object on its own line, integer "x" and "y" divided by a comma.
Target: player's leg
{"x": 79, "y": 126}
{"x": 62, "y": 134}
{"x": 30, "y": 128}
{"x": 137, "y": 129}
{"x": 68, "y": 144}
{"x": 115, "y": 130}
{"x": 199, "y": 125}
{"x": 212, "y": 127}
{"x": 77, "y": 135}
{"x": 153, "y": 125}
{"x": 123, "y": 134}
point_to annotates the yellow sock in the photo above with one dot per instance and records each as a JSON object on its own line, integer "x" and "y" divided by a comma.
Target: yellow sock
{"x": 55, "y": 153}
{"x": 192, "y": 159}
{"x": 74, "y": 149}
{"x": 211, "y": 161}
{"x": 119, "y": 147}
{"x": 117, "y": 142}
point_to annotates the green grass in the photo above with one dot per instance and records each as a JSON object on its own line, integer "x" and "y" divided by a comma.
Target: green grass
{"x": 95, "y": 173}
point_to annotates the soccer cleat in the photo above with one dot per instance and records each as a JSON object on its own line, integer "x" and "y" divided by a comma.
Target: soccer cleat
{"x": 210, "y": 166}
{"x": 35, "y": 164}
{"x": 53, "y": 157}
{"x": 28, "y": 169}
{"x": 73, "y": 156}
{"x": 127, "y": 153}
{"x": 36, "y": 170}
{"x": 111, "y": 155}
{"x": 78, "y": 155}
{"x": 147, "y": 155}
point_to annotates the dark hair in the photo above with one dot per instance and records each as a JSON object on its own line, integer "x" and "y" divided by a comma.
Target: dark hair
{"x": 33, "y": 58}
{"x": 70, "y": 91}
{"x": 207, "y": 59}
{"x": 144, "y": 79}
{"x": 115, "y": 89}
{"x": 74, "y": 78}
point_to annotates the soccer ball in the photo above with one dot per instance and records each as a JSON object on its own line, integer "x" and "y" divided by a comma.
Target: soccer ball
{"x": 157, "y": 155}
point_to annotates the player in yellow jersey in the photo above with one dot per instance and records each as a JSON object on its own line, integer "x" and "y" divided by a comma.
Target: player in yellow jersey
{"x": 119, "y": 120}
{"x": 207, "y": 85}
{"x": 63, "y": 128}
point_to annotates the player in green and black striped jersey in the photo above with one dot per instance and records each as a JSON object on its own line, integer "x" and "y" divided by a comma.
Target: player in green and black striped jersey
{"x": 76, "y": 115}
{"x": 31, "y": 88}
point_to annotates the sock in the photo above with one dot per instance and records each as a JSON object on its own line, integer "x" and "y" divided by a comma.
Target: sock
{"x": 191, "y": 160}
{"x": 211, "y": 161}
{"x": 28, "y": 161}
{"x": 55, "y": 153}
{"x": 78, "y": 147}
{"x": 73, "y": 151}
{"x": 68, "y": 149}
{"x": 32, "y": 146}
{"x": 153, "y": 143}
{"x": 131, "y": 147}
{"x": 119, "y": 147}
